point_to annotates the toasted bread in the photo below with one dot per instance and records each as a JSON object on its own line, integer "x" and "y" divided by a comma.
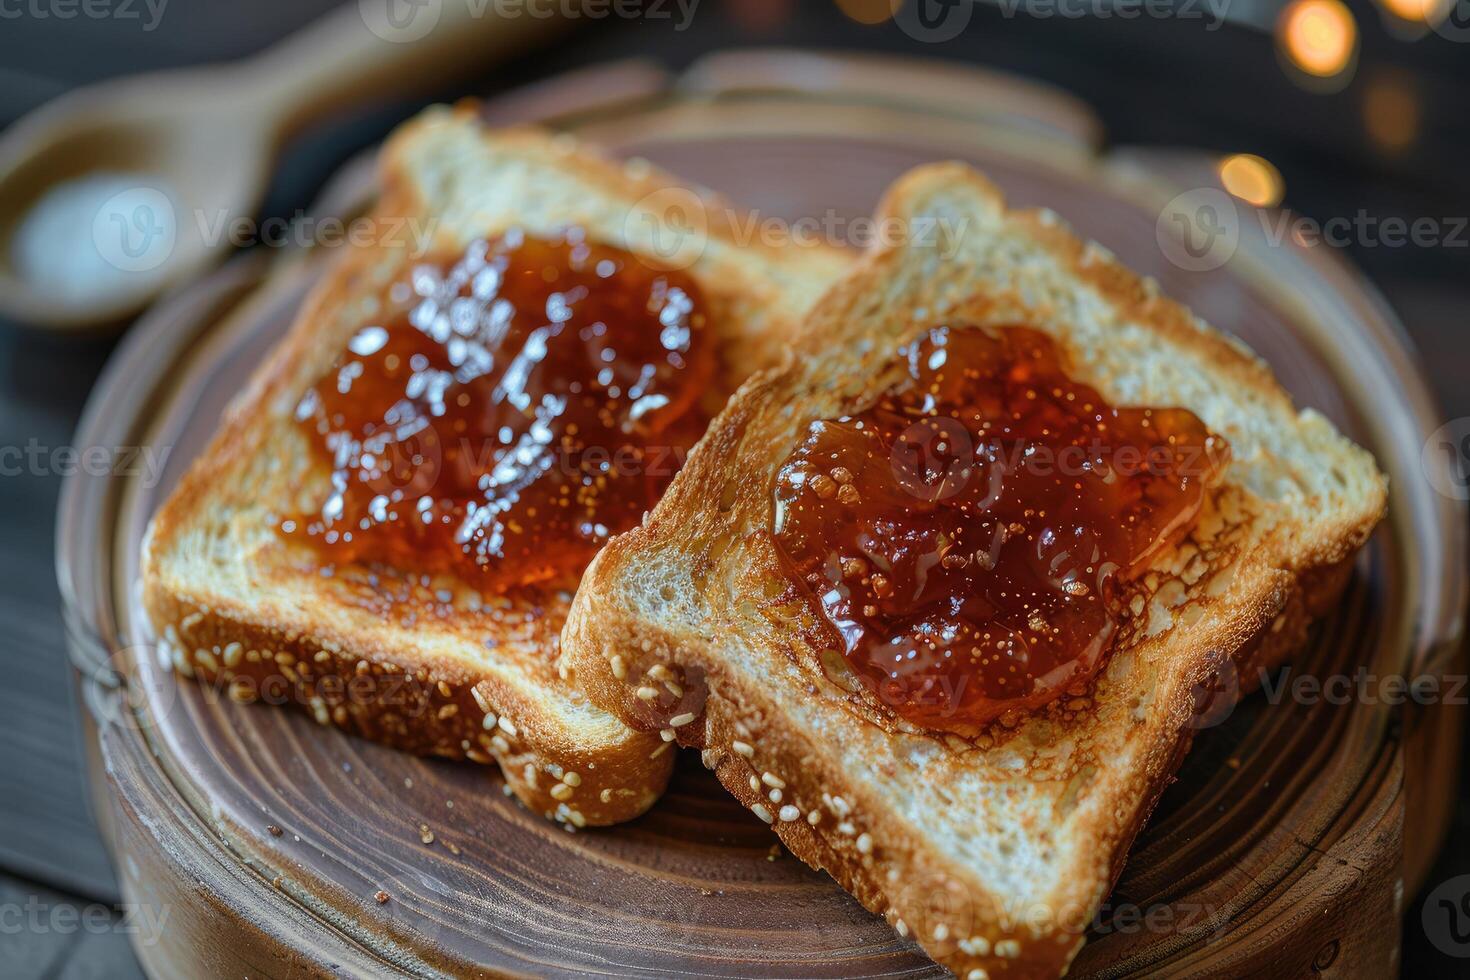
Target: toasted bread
{"x": 995, "y": 851}
{"x": 452, "y": 672}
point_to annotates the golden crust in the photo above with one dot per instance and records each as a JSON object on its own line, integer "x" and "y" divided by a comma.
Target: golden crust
{"x": 993, "y": 853}
{"x": 240, "y": 609}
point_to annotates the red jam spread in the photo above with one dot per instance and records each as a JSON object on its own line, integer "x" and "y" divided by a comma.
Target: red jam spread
{"x": 967, "y": 538}
{"x": 510, "y": 411}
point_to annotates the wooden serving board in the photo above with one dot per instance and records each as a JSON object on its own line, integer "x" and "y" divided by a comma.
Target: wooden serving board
{"x": 1284, "y": 849}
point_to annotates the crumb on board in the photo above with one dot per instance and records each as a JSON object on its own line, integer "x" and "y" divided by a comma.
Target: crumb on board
{"x": 380, "y": 896}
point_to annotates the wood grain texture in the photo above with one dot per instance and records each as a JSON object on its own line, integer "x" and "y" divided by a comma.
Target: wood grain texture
{"x": 46, "y": 830}
{"x": 1277, "y": 852}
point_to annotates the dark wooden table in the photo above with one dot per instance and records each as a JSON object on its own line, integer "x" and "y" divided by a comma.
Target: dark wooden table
{"x": 1159, "y": 81}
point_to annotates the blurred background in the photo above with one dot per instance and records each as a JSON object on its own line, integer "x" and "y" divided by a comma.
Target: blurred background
{"x": 1357, "y": 108}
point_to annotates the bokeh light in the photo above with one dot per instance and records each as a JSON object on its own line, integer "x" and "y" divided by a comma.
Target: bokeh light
{"x": 1414, "y": 11}
{"x": 868, "y": 11}
{"x": 1318, "y": 37}
{"x": 1252, "y": 179}
{"x": 1391, "y": 112}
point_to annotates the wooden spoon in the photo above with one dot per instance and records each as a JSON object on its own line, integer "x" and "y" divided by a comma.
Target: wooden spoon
{"x": 187, "y": 151}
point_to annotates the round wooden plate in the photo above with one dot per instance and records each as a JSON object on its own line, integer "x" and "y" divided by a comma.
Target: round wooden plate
{"x": 265, "y": 838}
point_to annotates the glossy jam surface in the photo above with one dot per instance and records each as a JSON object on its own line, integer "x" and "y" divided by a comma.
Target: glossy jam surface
{"x": 965, "y": 539}
{"x": 511, "y": 410}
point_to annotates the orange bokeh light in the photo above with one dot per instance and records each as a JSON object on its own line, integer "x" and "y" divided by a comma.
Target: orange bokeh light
{"x": 868, "y": 11}
{"x": 1414, "y": 11}
{"x": 1252, "y": 179}
{"x": 1318, "y": 36}
{"x": 1391, "y": 112}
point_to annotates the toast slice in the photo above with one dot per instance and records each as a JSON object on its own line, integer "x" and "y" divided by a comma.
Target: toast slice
{"x": 448, "y": 670}
{"x": 993, "y": 850}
